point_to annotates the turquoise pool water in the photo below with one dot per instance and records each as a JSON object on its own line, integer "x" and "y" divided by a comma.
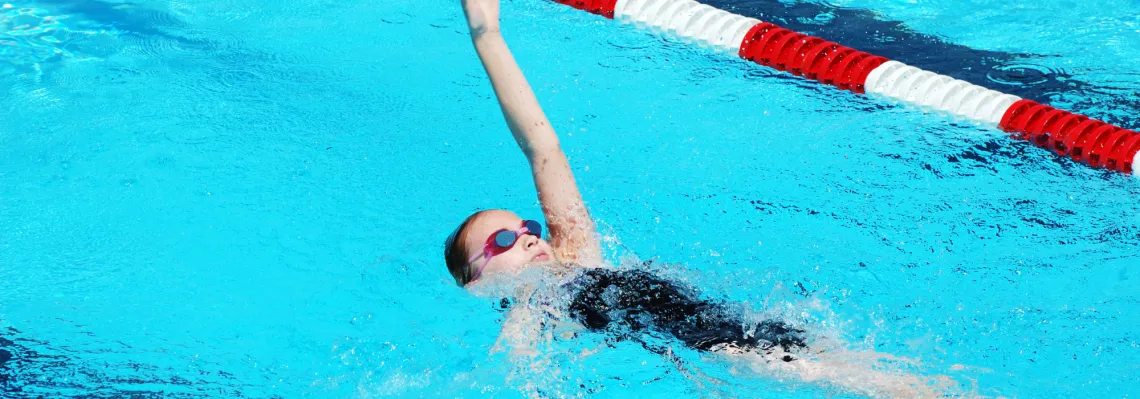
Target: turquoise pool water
{"x": 248, "y": 198}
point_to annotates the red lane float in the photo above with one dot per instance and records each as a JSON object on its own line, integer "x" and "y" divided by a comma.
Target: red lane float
{"x": 808, "y": 56}
{"x": 604, "y": 8}
{"x": 1079, "y": 137}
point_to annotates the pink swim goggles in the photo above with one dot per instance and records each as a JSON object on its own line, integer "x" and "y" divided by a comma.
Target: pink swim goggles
{"x": 502, "y": 241}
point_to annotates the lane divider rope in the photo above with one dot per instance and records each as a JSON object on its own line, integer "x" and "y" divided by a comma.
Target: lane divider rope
{"x": 1086, "y": 140}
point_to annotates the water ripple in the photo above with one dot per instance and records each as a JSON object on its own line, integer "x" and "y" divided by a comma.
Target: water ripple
{"x": 192, "y": 136}
{"x": 237, "y": 77}
{"x": 1023, "y": 74}
{"x": 708, "y": 73}
{"x": 149, "y": 46}
{"x": 158, "y": 18}
{"x": 624, "y": 63}
{"x": 469, "y": 79}
{"x": 398, "y": 18}
{"x": 629, "y": 41}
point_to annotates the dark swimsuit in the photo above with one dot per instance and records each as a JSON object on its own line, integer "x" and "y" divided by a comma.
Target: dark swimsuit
{"x": 635, "y": 301}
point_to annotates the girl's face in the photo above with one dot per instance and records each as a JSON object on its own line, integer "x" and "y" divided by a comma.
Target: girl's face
{"x": 526, "y": 250}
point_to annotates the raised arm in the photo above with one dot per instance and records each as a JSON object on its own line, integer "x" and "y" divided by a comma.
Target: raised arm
{"x": 572, "y": 231}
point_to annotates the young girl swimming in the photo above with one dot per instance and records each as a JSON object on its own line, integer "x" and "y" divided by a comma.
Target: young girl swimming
{"x": 498, "y": 245}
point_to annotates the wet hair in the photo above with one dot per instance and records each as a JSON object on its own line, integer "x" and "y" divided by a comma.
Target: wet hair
{"x": 455, "y": 252}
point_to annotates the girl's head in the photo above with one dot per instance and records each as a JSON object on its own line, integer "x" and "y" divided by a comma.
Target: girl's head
{"x": 492, "y": 242}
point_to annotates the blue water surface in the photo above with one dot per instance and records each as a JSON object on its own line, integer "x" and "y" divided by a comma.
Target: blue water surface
{"x": 227, "y": 198}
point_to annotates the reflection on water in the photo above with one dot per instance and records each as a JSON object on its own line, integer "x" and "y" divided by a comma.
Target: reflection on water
{"x": 32, "y": 40}
{"x": 1013, "y": 73}
{"x": 33, "y": 368}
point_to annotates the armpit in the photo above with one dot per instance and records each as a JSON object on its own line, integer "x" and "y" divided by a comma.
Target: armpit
{"x": 572, "y": 233}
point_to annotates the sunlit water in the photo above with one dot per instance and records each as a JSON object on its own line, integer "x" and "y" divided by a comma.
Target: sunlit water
{"x": 247, "y": 199}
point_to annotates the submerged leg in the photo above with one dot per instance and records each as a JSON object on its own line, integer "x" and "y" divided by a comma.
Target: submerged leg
{"x": 859, "y": 372}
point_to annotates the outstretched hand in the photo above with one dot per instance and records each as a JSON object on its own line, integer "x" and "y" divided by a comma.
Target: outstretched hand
{"x": 482, "y": 16}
